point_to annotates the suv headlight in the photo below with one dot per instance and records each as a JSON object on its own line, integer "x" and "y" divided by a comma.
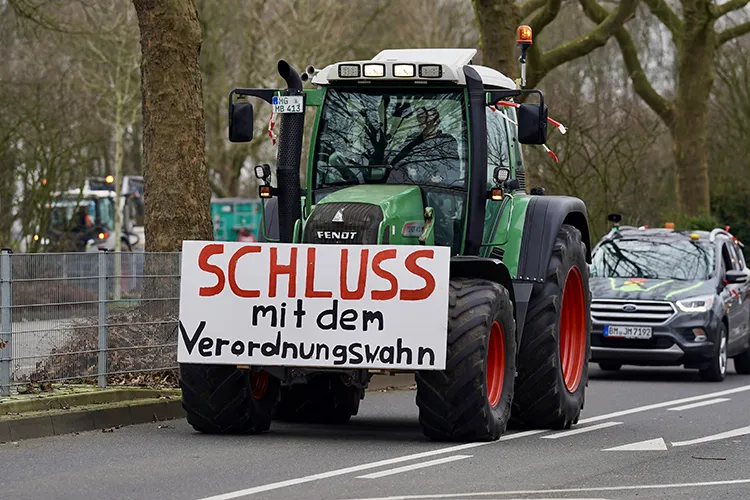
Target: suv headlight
{"x": 696, "y": 304}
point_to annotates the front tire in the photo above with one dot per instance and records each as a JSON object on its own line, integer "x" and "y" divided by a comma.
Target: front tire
{"x": 556, "y": 342}
{"x": 222, "y": 399}
{"x": 717, "y": 369}
{"x": 471, "y": 399}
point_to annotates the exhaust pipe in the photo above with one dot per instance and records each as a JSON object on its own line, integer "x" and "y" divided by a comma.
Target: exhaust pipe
{"x": 288, "y": 159}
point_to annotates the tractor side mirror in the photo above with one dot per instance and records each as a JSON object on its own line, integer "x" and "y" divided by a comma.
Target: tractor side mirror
{"x": 532, "y": 123}
{"x": 614, "y": 218}
{"x": 241, "y": 122}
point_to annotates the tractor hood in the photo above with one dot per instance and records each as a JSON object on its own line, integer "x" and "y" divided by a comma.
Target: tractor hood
{"x": 367, "y": 214}
{"x": 647, "y": 289}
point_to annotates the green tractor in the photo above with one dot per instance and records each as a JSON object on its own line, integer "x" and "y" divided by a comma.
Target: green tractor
{"x": 422, "y": 147}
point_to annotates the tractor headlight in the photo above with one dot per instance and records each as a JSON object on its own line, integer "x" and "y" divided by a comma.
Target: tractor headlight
{"x": 374, "y": 70}
{"x": 403, "y": 70}
{"x": 349, "y": 70}
{"x": 696, "y": 304}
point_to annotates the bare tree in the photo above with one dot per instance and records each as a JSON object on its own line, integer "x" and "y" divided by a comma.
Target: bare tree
{"x": 177, "y": 192}
{"x": 499, "y": 19}
{"x": 110, "y": 63}
{"x": 692, "y": 25}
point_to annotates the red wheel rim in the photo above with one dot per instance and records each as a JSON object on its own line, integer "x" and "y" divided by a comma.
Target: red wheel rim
{"x": 573, "y": 330}
{"x": 495, "y": 364}
{"x": 259, "y": 384}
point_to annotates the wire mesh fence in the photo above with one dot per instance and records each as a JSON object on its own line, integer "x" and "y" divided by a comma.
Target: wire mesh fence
{"x": 104, "y": 318}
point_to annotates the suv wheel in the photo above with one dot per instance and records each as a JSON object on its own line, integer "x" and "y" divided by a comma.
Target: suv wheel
{"x": 717, "y": 369}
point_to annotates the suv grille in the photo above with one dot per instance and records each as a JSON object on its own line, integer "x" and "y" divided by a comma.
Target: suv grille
{"x": 620, "y": 312}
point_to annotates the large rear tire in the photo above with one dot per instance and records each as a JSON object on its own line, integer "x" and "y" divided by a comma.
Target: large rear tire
{"x": 471, "y": 399}
{"x": 222, "y": 399}
{"x": 324, "y": 399}
{"x": 556, "y": 342}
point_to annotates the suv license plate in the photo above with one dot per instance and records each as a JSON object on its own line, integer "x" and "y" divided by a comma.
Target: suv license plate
{"x": 628, "y": 332}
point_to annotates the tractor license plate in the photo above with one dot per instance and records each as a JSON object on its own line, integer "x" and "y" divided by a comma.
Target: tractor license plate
{"x": 287, "y": 104}
{"x": 628, "y": 332}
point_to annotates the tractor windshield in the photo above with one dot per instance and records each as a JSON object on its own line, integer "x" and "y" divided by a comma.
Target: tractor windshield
{"x": 392, "y": 137}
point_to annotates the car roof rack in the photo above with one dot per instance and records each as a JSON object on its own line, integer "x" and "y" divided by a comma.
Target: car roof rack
{"x": 717, "y": 231}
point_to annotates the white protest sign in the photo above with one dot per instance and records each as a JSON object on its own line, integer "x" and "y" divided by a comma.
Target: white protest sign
{"x": 279, "y": 304}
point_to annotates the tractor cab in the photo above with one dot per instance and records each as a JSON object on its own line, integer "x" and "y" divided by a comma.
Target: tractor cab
{"x": 415, "y": 146}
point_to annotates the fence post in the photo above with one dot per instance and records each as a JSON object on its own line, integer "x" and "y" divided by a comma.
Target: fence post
{"x": 6, "y": 325}
{"x": 103, "y": 341}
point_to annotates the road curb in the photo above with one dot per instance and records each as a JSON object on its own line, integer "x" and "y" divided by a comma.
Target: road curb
{"x": 44, "y": 402}
{"x": 56, "y": 415}
{"x": 37, "y": 424}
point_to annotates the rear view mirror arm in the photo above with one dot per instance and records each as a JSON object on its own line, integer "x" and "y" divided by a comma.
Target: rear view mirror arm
{"x": 265, "y": 94}
{"x": 500, "y": 95}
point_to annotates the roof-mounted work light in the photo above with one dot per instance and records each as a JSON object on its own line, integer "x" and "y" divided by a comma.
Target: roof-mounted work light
{"x": 404, "y": 70}
{"x": 349, "y": 71}
{"x": 374, "y": 70}
{"x": 430, "y": 71}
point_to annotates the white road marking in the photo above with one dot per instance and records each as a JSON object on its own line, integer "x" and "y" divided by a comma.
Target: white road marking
{"x": 347, "y": 470}
{"x": 657, "y": 444}
{"x": 581, "y": 430}
{"x": 742, "y": 431}
{"x": 655, "y": 406}
{"x": 452, "y": 449}
{"x": 517, "y": 435}
{"x": 566, "y": 490}
{"x": 699, "y": 404}
{"x": 407, "y": 468}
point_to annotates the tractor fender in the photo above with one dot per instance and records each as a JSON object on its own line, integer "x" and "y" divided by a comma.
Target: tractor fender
{"x": 544, "y": 217}
{"x": 469, "y": 266}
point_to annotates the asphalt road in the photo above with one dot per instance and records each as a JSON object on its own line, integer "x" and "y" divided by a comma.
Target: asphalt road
{"x": 645, "y": 433}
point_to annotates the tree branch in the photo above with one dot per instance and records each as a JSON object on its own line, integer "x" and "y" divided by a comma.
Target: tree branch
{"x": 727, "y": 7}
{"x": 585, "y": 44}
{"x": 529, "y": 6}
{"x": 668, "y": 17}
{"x": 661, "y": 106}
{"x": 545, "y": 16}
{"x": 732, "y": 33}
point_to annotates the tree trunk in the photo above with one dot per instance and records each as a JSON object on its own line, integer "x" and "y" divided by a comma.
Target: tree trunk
{"x": 119, "y": 137}
{"x": 177, "y": 193}
{"x": 498, "y": 21}
{"x": 696, "y": 73}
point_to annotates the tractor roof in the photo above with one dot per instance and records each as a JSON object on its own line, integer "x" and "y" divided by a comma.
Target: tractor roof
{"x": 443, "y": 65}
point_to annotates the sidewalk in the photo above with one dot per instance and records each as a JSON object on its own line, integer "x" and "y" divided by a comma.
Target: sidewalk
{"x": 86, "y": 408}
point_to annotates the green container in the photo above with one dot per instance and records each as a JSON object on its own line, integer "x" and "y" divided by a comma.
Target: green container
{"x": 231, "y": 215}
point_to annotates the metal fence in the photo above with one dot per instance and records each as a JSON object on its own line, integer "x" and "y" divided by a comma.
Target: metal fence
{"x": 102, "y": 317}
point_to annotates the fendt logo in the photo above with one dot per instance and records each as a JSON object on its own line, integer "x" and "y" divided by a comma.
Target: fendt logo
{"x": 630, "y": 308}
{"x": 337, "y": 235}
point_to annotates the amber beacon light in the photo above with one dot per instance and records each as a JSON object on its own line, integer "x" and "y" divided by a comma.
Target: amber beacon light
{"x": 523, "y": 40}
{"x": 523, "y": 35}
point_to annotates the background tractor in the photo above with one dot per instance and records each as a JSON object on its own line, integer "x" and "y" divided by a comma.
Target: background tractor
{"x": 422, "y": 147}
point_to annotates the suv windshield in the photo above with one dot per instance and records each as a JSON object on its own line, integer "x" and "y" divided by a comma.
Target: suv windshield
{"x": 393, "y": 137}
{"x": 655, "y": 259}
